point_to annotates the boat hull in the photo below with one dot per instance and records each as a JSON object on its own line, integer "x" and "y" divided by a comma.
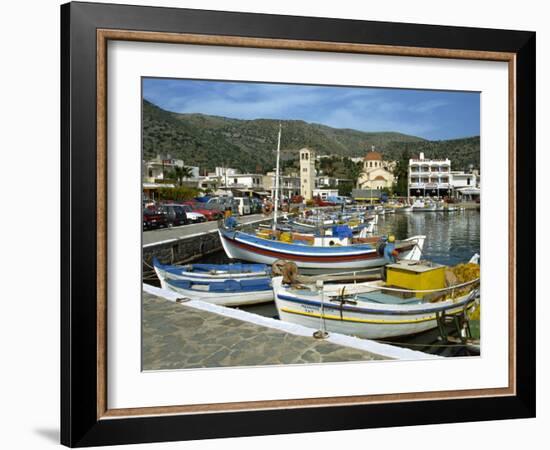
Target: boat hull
{"x": 223, "y": 299}
{"x": 239, "y": 246}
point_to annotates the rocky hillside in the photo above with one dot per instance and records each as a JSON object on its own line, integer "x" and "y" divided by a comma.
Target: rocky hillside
{"x": 250, "y": 145}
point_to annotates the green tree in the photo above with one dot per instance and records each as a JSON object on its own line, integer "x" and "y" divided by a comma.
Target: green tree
{"x": 345, "y": 188}
{"x": 182, "y": 172}
{"x": 401, "y": 173}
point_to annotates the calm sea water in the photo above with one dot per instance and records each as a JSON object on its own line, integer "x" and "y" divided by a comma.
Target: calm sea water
{"x": 451, "y": 238}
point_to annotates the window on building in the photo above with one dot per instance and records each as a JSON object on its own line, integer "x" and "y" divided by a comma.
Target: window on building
{"x": 150, "y": 173}
{"x": 468, "y": 181}
{"x": 235, "y": 181}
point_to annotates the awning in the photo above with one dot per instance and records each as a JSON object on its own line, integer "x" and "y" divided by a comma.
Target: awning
{"x": 156, "y": 185}
{"x": 469, "y": 191}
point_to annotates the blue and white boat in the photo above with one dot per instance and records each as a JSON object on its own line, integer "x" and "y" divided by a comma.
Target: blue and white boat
{"x": 320, "y": 253}
{"x": 225, "y": 293}
{"x": 210, "y": 272}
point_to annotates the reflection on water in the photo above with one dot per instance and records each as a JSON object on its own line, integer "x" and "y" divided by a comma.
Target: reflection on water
{"x": 451, "y": 238}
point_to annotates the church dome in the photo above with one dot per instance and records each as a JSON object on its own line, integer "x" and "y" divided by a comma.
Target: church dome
{"x": 373, "y": 156}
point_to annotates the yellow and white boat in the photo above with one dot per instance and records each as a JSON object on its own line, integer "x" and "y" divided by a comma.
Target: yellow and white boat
{"x": 413, "y": 297}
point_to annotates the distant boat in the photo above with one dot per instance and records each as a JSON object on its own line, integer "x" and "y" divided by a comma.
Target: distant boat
{"x": 358, "y": 227}
{"x": 225, "y": 293}
{"x": 426, "y": 206}
{"x": 404, "y": 209}
{"x": 317, "y": 253}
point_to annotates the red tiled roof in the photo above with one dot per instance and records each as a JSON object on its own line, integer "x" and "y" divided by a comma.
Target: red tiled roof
{"x": 373, "y": 156}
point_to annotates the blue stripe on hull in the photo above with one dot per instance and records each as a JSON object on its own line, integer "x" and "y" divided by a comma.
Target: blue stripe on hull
{"x": 328, "y": 305}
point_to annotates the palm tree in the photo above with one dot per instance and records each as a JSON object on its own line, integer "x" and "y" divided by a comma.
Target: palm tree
{"x": 401, "y": 173}
{"x": 182, "y": 172}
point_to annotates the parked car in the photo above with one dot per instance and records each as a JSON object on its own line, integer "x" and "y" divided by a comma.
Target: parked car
{"x": 192, "y": 216}
{"x": 255, "y": 205}
{"x": 154, "y": 217}
{"x": 222, "y": 203}
{"x": 175, "y": 214}
{"x": 208, "y": 211}
{"x": 320, "y": 202}
{"x": 243, "y": 205}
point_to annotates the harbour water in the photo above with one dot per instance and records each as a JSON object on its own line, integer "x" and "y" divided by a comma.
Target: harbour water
{"x": 451, "y": 238}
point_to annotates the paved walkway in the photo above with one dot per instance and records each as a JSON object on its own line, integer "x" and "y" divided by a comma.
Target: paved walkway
{"x": 176, "y": 336}
{"x": 167, "y": 234}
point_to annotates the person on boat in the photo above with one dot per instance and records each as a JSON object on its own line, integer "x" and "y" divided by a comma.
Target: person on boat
{"x": 230, "y": 221}
{"x": 389, "y": 250}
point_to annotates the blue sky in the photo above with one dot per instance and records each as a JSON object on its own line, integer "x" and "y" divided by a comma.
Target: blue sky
{"x": 432, "y": 115}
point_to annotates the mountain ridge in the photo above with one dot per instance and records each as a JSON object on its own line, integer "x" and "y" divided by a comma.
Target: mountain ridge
{"x": 208, "y": 141}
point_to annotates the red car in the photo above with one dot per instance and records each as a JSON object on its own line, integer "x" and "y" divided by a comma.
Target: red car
{"x": 320, "y": 202}
{"x": 209, "y": 213}
{"x": 154, "y": 217}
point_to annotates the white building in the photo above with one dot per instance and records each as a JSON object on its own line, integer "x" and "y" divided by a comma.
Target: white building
{"x": 377, "y": 173}
{"x": 289, "y": 185}
{"x": 159, "y": 167}
{"x": 307, "y": 173}
{"x": 323, "y": 194}
{"x": 222, "y": 171}
{"x": 244, "y": 180}
{"x": 463, "y": 179}
{"x": 429, "y": 177}
{"x": 324, "y": 181}
{"x": 465, "y": 185}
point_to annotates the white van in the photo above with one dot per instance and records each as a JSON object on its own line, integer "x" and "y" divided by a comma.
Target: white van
{"x": 243, "y": 205}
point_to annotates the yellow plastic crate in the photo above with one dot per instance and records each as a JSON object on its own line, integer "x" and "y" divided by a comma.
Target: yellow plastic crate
{"x": 407, "y": 275}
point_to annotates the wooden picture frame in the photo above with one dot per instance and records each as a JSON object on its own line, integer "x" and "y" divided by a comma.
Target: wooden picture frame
{"x": 85, "y": 416}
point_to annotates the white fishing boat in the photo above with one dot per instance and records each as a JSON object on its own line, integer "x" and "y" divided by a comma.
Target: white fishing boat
{"x": 324, "y": 253}
{"x": 225, "y": 293}
{"x": 373, "y": 309}
{"x": 404, "y": 209}
{"x": 426, "y": 206}
{"x": 210, "y": 272}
